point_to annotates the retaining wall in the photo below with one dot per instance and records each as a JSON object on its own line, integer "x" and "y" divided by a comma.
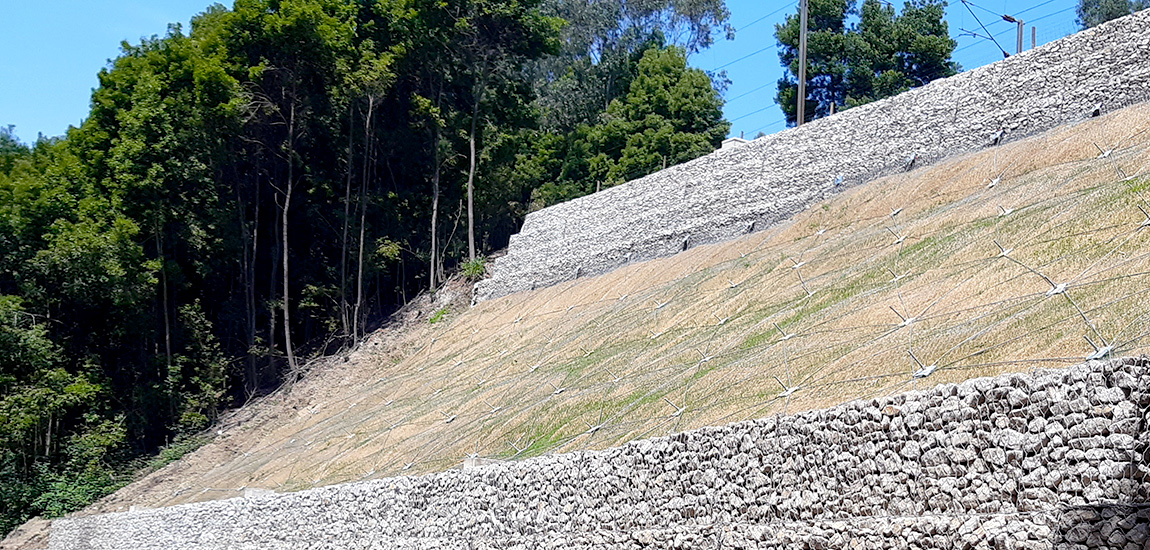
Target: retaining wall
{"x": 757, "y": 184}
{"x": 1052, "y": 459}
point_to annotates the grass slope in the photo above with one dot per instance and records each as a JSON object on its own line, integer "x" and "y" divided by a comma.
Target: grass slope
{"x": 713, "y": 335}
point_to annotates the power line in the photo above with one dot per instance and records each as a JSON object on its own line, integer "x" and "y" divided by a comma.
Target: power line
{"x": 1053, "y": 14}
{"x": 968, "y": 46}
{"x": 968, "y": 4}
{"x": 740, "y": 117}
{"x": 1034, "y": 7}
{"x": 763, "y": 18}
{"x": 749, "y": 92}
{"x": 752, "y": 54}
{"x": 769, "y": 124}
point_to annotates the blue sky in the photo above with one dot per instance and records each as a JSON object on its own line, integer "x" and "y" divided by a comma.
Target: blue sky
{"x": 52, "y": 51}
{"x": 752, "y": 59}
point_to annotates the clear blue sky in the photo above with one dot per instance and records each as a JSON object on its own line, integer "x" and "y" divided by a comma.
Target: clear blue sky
{"x": 52, "y": 51}
{"x": 752, "y": 59}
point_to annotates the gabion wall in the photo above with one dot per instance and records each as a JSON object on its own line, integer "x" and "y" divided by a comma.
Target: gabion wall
{"x": 1050, "y": 459}
{"x": 752, "y": 186}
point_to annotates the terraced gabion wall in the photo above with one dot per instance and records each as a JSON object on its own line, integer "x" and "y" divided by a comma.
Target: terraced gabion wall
{"x": 758, "y": 184}
{"x": 1052, "y": 459}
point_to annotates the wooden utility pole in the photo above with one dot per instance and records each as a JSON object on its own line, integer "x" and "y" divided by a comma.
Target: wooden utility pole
{"x": 1033, "y": 37}
{"x": 802, "y": 98}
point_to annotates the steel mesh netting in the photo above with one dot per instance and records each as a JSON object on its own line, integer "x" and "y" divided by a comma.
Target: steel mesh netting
{"x": 1025, "y": 255}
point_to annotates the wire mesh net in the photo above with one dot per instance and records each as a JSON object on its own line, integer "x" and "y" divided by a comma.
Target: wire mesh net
{"x": 1034, "y": 253}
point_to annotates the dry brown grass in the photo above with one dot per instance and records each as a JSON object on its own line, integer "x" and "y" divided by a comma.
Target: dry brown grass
{"x": 691, "y": 340}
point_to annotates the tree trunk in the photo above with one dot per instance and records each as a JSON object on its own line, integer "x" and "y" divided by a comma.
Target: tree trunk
{"x": 362, "y": 215}
{"x": 164, "y": 303}
{"x": 292, "y": 367}
{"x": 273, "y": 320}
{"x": 480, "y": 87}
{"x": 471, "y": 195}
{"x": 343, "y": 307}
{"x": 167, "y": 324}
{"x": 435, "y": 212}
{"x": 249, "y": 292}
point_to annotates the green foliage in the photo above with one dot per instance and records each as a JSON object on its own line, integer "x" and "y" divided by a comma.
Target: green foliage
{"x": 174, "y": 451}
{"x": 885, "y": 53}
{"x": 474, "y": 269}
{"x": 439, "y": 315}
{"x": 669, "y": 115}
{"x": 198, "y": 384}
{"x": 11, "y": 150}
{"x": 602, "y": 44}
{"x": 68, "y": 491}
{"x": 1092, "y": 13}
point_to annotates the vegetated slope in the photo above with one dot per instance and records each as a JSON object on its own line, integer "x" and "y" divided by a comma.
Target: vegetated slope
{"x": 824, "y": 309}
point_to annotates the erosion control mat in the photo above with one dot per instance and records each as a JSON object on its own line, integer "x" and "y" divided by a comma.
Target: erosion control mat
{"x": 1026, "y": 255}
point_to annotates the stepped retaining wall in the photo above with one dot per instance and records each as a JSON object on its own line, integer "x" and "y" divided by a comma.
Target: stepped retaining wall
{"x": 1051, "y": 459}
{"x": 755, "y": 185}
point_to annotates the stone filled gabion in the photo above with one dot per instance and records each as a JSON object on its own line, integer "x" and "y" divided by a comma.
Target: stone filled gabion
{"x": 758, "y": 184}
{"x": 1051, "y": 459}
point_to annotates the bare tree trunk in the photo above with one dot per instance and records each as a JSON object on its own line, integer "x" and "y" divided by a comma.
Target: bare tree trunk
{"x": 343, "y": 307}
{"x": 167, "y": 323}
{"x": 471, "y": 188}
{"x": 435, "y": 213}
{"x": 249, "y": 291}
{"x": 359, "y": 273}
{"x": 481, "y": 86}
{"x": 362, "y": 215}
{"x": 164, "y": 303}
{"x": 284, "y": 250}
{"x": 273, "y": 321}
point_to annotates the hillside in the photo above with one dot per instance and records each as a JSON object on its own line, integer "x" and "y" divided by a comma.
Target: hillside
{"x": 821, "y": 310}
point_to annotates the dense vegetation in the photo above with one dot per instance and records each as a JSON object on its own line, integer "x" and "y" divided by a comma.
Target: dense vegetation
{"x": 1092, "y": 13}
{"x": 883, "y": 53}
{"x": 267, "y": 185}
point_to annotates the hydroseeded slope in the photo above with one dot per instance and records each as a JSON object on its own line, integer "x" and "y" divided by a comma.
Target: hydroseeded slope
{"x": 1003, "y": 260}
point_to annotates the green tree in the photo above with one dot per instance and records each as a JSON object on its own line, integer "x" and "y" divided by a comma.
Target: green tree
{"x": 602, "y": 43}
{"x": 1092, "y": 13}
{"x": 259, "y": 188}
{"x": 497, "y": 40}
{"x": 670, "y": 114}
{"x": 885, "y": 53}
{"x": 889, "y": 52}
{"x": 826, "y": 58}
{"x": 11, "y": 150}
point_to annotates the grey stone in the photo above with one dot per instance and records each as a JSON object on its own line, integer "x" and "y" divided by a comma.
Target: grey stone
{"x": 763, "y": 182}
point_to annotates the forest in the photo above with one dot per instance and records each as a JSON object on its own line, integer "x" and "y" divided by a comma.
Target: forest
{"x": 270, "y": 183}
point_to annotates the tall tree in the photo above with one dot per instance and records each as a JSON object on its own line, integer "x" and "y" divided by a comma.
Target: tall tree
{"x": 669, "y": 115}
{"x": 889, "y": 53}
{"x": 826, "y": 58}
{"x": 601, "y": 44}
{"x": 883, "y": 54}
{"x": 497, "y": 40}
{"x": 1092, "y": 13}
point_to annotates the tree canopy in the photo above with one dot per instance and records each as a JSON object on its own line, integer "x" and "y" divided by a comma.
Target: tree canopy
{"x": 884, "y": 53}
{"x": 1092, "y": 13}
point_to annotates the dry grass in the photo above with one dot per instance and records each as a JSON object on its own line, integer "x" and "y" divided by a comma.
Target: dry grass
{"x": 698, "y": 339}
